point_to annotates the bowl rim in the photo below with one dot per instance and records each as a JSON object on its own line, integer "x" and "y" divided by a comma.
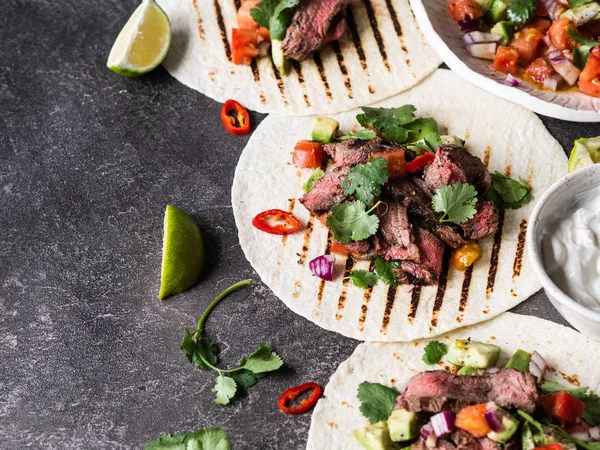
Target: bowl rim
{"x": 492, "y": 86}
{"x": 532, "y": 247}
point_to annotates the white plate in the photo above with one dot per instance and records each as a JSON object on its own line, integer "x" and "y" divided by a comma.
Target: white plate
{"x": 443, "y": 33}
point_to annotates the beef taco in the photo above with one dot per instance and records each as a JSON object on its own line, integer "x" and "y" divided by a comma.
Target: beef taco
{"x": 515, "y": 382}
{"x": 308, "y": 57}
{"x": 418, "y": 225}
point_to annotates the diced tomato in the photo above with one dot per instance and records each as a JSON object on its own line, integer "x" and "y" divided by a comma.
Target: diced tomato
{"x": 563, "y": 406}
{"x": 396, "y": 162}
{"x": 243, "y": 45}
{"x": 540, "y": 9}
{"x": 527, "y": 43}
{"x": 339, "y": 249}
{"x": 539, "y": 70}
{"x": 589, "y": 80}
{"x": 420, "y": 162}
{"x": 556, "y": 446}
{"x": 465, "y": 10}
{"x": 580, "y": 425}
{"x": 559, "y": 34}
{"x": 506, "y": 60}
{"x": 245, "y": 20}
{"x": 472, "y": 420}
{"x": 308, "y": 154}
{"x": 540, "y": 24}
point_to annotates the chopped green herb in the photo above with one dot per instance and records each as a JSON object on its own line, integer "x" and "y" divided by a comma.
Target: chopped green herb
{"x": 456, "y": 201}
{"x": 352, "y": 222}
{"x": 581, "y": 53}
{"x": 507, "y": 193}
{"x": 363, "y": 278}
{"x": 203, "y": 439}
{"x": 376, "y": 401}
{"x": 361, "y": 134}
{"x": 577, "y": 3}
{"x": 274, "y": 15}
{"x": 385, "y": 271}
{"x": 520, "y": 11}
{"x": 591, "y": 413}
{"x": 434, "y": 351}
{"x": 424, "y": 132}
{"x": 310, "y": 183}
{"x": 364, "y": 181}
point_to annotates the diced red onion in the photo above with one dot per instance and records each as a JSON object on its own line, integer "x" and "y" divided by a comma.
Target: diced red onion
{"x": 591, "y": 435}
{"x": 468, "y": 24}
{"x": 546, "y": 42}
{"x": 426, "y": 431}
{"x": 552, "y": 82}
{"x": 322, "y": 267}
{"x": 478, "y": 37}
{"x": 483, "y": 51}
{"x": 551, "y": 48}
{"x": 553, "y": 8}
{"x": 513, "y": 82}
{"x": 594, "y": 433}
{"x": 565, "y": 68}
{"x": 263, "y": 48}
{"x": 537, "y": 365}
{"x": 493, "y": 417}
{"x": 442, "y": 423}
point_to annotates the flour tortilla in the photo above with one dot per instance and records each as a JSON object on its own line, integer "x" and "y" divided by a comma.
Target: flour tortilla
{"x": 572, "y": 357}
{"x": 510, "y": 138}
{"x": 396, "y": 57}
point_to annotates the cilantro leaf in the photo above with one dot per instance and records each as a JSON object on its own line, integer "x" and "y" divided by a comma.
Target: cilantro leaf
{"x": 203, "y": 439}
{"x": 389, "y": 121}
{"x": 577, "y": 3}
{"x": 193, "y": 349}
{"x": 520, "y": 11}
{"x": 377, "y": 401}
{"x": 310, "y": 183}
{"x": 434, "y": 351}
{"x": 364, "y": 181}
{"x": 581, "y": 53}
{"x": 396, "y": 133}
{"x": 361, "y": 134}
{"x": 363, "y": 278}
{"x": 507, "y": 193}
{"x": 591, "y": 413}
{"x": 581, "y": 39}
{"x": 275, "y": 16}
{"x": 263, "y": 360}
{"x": 225, "y": 389}
{"x": 352, "y": 222}
{"x": 456, "y": 201}
{"x": 244, "y": 378}
{"x": 424, "y": 130}
{"x": 385, "y": 271}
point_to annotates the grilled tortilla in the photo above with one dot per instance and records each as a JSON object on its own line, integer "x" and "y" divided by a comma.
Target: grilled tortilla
{"x": 506, "y": 137}
{"x": 337, "y": 415}
{"x": 382, "y": 53}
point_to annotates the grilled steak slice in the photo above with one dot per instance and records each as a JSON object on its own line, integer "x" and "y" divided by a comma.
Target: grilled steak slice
{"x": 483, "y": 223}
{"x": 418, "y": 203}
{"x": 488, "y": 444}
{"x": 361, "y": 249}
{"x": 428, "y": 270}
{"x": 316, "y": 23}
{"x": 357, "y": 151}
{"x": 326, "y": 192}
{"x": 441, "y": 444}
{"x": 465, "y": 441}
{"x": 395, "y": 239}
{"x": 453, "y": 164}
{"x": 439, "y": 390}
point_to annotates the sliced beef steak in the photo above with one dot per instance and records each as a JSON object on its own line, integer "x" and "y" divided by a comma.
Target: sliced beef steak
{"x": 441, "y": 444}
{"x": 483, "y": 223}
{"x": 453, "y": 164}
{"x": 488, "y": 444}
{"x": 465, "y": 441}
{"x": 361, "y": 249}
{"x": 439, "y": 390}
{"x": 395, "y": 239}
{"x": 315, "y": 23}
{"x": 428, "y": 270}
{"x": 357, "y": 151}
{"x": 326, "y": 192}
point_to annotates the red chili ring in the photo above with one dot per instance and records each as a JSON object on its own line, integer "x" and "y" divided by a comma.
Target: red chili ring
{"x": 238, "y": 124}
{"x": 293, "y": 393}
{"x": 420, "y": 162}
{"x": 290, "y": 223}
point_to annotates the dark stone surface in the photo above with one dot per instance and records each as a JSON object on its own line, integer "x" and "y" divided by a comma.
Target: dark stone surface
{"x": 89, "y": 357}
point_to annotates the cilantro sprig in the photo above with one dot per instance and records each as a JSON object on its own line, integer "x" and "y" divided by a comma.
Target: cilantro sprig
{"x": 434, "y": 351}
{"x": 456, "y": 202}
{"x": 364, "y": 181}
{"x": 376, "y": 401}
{"x": 310, "y": 183}
{"x": 203, "y": 439}
{"x": 364, "y": 134}
{"x": 507, "y": 193}
{"x": 384, "y": 271}
{"x": 363, "y": 278}
{"x": 352, "y": 222}
{"x": 520, "y": 11}
{"x": 274, "y": 15}
{"x": 203, "y": 353}
{"x": 582, "y": 52}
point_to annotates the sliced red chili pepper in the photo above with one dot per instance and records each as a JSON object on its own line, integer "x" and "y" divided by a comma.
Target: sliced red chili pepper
{"x": 417, "y": 164}
{"x": 276, "y": 221}
{"x": 293, "y": 393}
{"x": 235, "y": 118}
{"x": 556, "y": 446}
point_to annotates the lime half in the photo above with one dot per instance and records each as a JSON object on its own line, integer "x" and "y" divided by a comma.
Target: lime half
{"x": 183, "y": 253}
{"x": 586, "y": 152}
{"x": 143, "y": 42}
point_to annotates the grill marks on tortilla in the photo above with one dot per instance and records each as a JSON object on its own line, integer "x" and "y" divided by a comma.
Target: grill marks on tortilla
{"x": 441, "y": 290}
{"x": 464, "y": 292}
{"x": 200, "y": 25}
{"x": 397, "y": 26}
{"x": 298, "y": 68}
{"x": 415, "y": 296}
{"x": 343, "y": 69}
{"x": 389, "y": 305}
{"x": 223, "y": 30}
{"x": 342, "y": 299}
{"x": 280, "y": 84}
{"x": 322, "y": 282}
{"x": 358, "y": 45}
{"x": 518, "y": 264}
{"x": 366, "y": 299}
{"x": 377, "y": 33}
{"x": 292, "y": 203}
{"x": 495, "y": 255}
{"x": 310, "y": 225}
{"x": 322, "y": 74}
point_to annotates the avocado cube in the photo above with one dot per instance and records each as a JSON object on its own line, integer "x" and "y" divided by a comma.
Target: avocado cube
{"x": 324, "y": 129}
{"x": 403, "y": 425}
{"x": 520, "y": 361}
{"x": 475, "y": 354}
{"x": 504, "y": 29}
{"x": 484, "y": 4}
{"x": 375, "y": 437}
{"x": 510, "y": 425}
{"x": 468, "y": 370}
{"x": 497, "y": 11}
{"x": 581, "y": 14}
{"x": 279, "y": 60}
{"x": 450, "y": 139}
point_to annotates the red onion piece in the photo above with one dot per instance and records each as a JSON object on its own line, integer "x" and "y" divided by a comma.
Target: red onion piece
{"x": 537, "y": 365}
{"x": 426, "y": 431}
{"x": 553, "y": 8}
{"x": 565, "y": 68}
{"x": 546, "y": 42}
{"x": 468, "y": 24}
{"x": 322, "y": 267}
{"x": 493, "y": 417}
{"x": 478, "y": 37}
{"x": 513, "y": 82}
{"x": 483, "y": 51}
{"x": 594, "y": 433}
{"x": 583, "y": 436}
{"x": 443, "y": 423}
{"x": 552, "y": 82}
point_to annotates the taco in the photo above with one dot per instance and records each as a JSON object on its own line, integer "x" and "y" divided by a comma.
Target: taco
{"x": 266, "y": 178}
{"x": 337, "y": 54}
{"x": 515, "y": 382}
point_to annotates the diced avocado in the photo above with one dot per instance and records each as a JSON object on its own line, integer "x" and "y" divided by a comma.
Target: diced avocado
{"x": 375, "y": 437}
{"x": 504, "y": 29}
{"x": 527, "y": 442}
{"x": 485, "y": 4}
{"x": 449, "y": 139}
{"x": 324, "y": 129}
{"x": 520, "y": 361}
{"x": 280, "y": 61}
{"x": 421, "y": 128}
{"x": 510, "y": 424}
{"x": 582, "y": 14}
{"x": 497, "y": 11}
{"x": 475, "y": 354}
{"x": 403, "y": 425}
{"x": 468, "y": 370}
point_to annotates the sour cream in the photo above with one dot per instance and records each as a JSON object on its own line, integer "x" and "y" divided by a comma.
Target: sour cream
{"x": 571, "y": 249}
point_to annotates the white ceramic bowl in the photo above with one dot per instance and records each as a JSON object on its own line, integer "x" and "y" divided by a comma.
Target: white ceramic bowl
{"x": 552, "y": 204}
{"x": 443, "y": 33}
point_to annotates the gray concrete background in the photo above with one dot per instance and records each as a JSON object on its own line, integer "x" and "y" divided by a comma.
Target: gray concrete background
{"x": 89, "y": 357}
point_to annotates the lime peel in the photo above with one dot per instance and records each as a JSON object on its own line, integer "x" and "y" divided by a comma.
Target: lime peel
{"x": 586, "y": 152}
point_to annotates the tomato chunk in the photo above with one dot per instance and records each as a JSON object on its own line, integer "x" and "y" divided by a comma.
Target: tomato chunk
{"x": 339, "y": 249}
{"x": 563, "y": 406}
{"x": 559, "y": 34}
{"x": 243, "y": 45}
{"x": 540, "y": 24}
{"x": 465, "y": 10}
{"x": 506, "y": 60}
{"x": 472, "y": 420}
{"x": 589, "y": 80}
{"x": 527, "y": 43}
{"x": 245, "y": 20}
{"x": 308, "y": 154}
{"x": 539, "y": 70}
{"x": 556, "y": 446}
{"x": 396, "y": 162}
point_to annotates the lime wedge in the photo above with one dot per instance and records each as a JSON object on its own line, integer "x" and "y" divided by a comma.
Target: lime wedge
{"x": 143, "y": 42}
{"x": 586, "y": 152}
{"x": 183, "y": 253}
